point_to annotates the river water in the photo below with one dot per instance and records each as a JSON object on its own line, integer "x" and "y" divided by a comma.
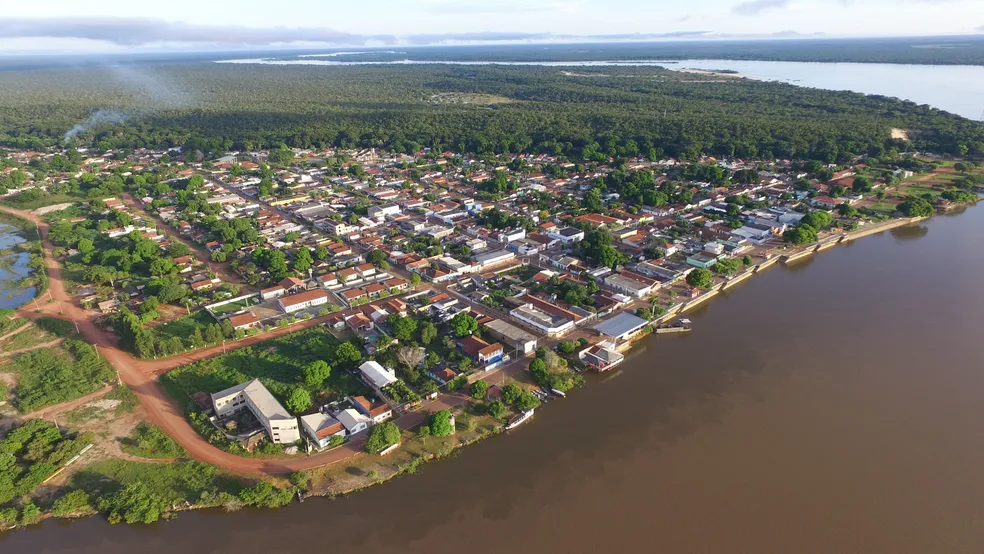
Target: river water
{"x": 13, "y": 268}
{"x": 955, "y": 88}
{"x": 833, "y": 406}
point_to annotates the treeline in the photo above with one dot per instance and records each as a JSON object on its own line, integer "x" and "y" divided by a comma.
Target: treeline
{"x": 632, "y": 111}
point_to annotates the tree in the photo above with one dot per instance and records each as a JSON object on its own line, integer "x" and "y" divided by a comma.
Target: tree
{"x": 496, "y": 409}
{"x": 412, "y": 357}
{"x": 801, "y": 234}
{"x": 403, "y": 327}
{"x": 511, "y": 393}
{"x": 299, "y": 400}
{"x": 303, "y": 260}
{"x": 728, "y": 266}
{"x": 414, "y": 280}
{"x": 382, "y": 436}
{"x": 747, "y": 260}
{"x": 213, "y": 333}
{"x": 315, "y": 374}
{"x": 916, "y": 207}
{"x": 861, "y": 185}
{"x": 428, "y": 332}
{"x": 463, "y": 325}
{"x": 847, "y": 210}
{"x": 478, "y": 389}
{"x": 527, "y": 401}
{"x": 699, "y": 278}
{"x": 376, "y": 257}
{"x": 817, "y": 220}
{"x": 161, "y": 266}
{"x": 440, "y": 424}
{"x": 347, "y": 354}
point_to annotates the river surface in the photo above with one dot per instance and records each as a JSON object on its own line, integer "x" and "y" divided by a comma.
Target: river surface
{"x": 955, "y": 88}
{"x": 13, "y": 268}
{"x": 833, "y": 406}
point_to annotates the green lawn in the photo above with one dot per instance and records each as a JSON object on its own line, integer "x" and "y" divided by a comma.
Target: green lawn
{"x": 883, "y": 207}
{"x": 184, "y": 327}
{"x": 919, "y": 190}
{"x": 30, "y": 201}
{"x": 232, "y": 307}
{"x": 278, "y": 363}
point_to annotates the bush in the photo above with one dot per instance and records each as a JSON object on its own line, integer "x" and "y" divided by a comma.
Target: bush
{"x": 496, "y": 409}
{"x": 134, "y": 503}
{"x": 149, "y": 441}
{"x": 74, "y": 503}
{"x": 30, "y": 513}
{"x": 265, "y": 495}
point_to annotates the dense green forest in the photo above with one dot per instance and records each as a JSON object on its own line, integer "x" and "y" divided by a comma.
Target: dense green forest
{"x": 586, "y": 113}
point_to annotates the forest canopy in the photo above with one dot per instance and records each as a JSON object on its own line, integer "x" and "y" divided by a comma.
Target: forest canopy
{"x": 593, "y": 114}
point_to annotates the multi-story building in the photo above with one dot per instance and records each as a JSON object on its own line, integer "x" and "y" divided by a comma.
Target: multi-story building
{"x": 253, "y": 396}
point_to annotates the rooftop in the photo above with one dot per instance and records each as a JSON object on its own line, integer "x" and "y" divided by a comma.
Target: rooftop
{"x": 622, "y": 324}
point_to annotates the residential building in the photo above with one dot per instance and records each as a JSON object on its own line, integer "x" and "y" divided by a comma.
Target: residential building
{"x": 483, "y": 353}
{"x": 353, "y": 421}
{"x": 601, "y": 357}
{"x": 512, "y": 335}
{"x": 320, "y": 428}
{"x": 376, "y": 411}
{"x": 279, "y": 424}
{"x": 376, "y": 376}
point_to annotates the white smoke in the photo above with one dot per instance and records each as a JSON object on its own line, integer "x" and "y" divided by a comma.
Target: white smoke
{"x": 99, "y": 117}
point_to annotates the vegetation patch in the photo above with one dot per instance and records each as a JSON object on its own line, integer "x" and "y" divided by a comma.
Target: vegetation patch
{"x": 149, "y": 441}
{"x": 53, "y": 375}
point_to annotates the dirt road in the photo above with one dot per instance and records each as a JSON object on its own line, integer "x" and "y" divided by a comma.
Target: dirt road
{"x": 141, "y": 375}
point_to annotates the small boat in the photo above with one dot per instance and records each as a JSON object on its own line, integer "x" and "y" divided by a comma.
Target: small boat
{"x": 558, "y": 393}
{"x": 518, "y": 420}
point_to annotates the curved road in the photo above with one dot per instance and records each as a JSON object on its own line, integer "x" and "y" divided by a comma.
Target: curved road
{"x": 140, "y": 376}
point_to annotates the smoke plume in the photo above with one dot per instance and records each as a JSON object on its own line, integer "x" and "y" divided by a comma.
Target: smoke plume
{"x": 99, "y": 117}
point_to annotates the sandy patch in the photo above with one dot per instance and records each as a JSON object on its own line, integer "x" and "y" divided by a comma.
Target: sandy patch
{"x": 711, "y": 73}
{"x": 900, "y": 134}
{"x": 105, "y": 404}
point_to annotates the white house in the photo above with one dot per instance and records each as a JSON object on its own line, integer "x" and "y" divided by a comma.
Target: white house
{"x": 280, "y": 425}
{"x": 567, "y": 235}
{"x": 376, "y": 375}
{"x": 302, "y": 300}
{"x": 353, "y": 421}
{"x": 320, "y": 428}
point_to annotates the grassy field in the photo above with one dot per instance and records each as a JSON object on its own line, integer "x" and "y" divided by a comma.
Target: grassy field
{"x": 52, "y": 375}
{"x": 185, "y": 326}
{"x": 883, "y": 207}
{"x": 30, "y": 201}
{"x": 278, "y": 363}
{"x": 11, "y": 324}
{"x": 25, "y": 339}
{"x": 149, "y": 441}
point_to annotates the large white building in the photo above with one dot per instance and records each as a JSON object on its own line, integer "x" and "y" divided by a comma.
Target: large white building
{"x": 303, "y": 300}
{"x": 280, "y": 425}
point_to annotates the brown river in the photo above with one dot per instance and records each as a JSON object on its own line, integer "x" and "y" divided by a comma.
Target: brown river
{"x": 830, "y": 407}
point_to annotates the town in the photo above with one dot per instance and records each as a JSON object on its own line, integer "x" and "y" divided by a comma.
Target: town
{"x": 311, "y": 305}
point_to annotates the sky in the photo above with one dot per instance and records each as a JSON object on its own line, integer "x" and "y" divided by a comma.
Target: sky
{"x": 127, "y": 25}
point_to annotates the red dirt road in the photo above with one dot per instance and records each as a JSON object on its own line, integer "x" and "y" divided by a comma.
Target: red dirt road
{"x": 140, "y": 376}
{"x": 163, "y": 411}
